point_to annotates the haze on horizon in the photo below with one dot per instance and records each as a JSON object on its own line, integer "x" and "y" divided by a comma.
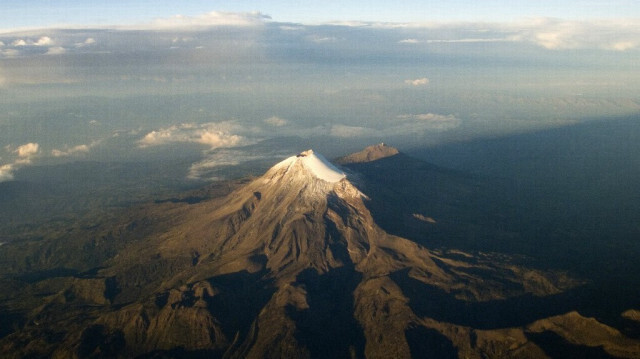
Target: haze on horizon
{"x": 228, "y": 83}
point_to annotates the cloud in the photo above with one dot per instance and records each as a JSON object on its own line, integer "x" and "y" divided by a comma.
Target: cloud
{"x": 9, "y": 53}
{"x": 402, "y": 126}
{"x": 318, "y": 39}
{"x": 88, "y": 41}
{"x": 213, "y": 135}
{"x": 76, "y": 150}
{"x": 27, "y": 151}
{"x": 417, "y": 82}
{"x": 6, "y": 172}
{"x": 210, "y": 19}
{"x": 432, "y": 121}
{"x": 207, "y": 169}
{"x": 557, "y": 34}
{"x": 44, "y": 41}
{"x": 19, "y": 42}
{"x": 291, "y": 28}
{"x": 25, "y": 154}
{"x": 276, "y": 121}
{"x": 469, "y": 40}
{"x": 344, "y": 131}
{"x": 548, "y": 33}
{"x": 56, "y": 50}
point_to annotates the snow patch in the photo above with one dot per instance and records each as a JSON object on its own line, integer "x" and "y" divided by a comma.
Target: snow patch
{"x": 320, "y": 167}
{"x": 316, "y": 164}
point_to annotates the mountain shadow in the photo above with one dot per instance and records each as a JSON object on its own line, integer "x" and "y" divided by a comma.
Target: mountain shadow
{"x": 328, "y": 328}
{"x": 429, "y": 343}
{"x": 242, "y": 296}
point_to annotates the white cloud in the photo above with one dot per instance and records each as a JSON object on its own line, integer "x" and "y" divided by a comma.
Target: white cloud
{"x": 88, "y": 41}
{"x": 1, "y": 43}
{"x": 211, "y": 19}
{"x": 56, "y": 50}
{"x": 432, "y": 121}
{"x": 291, "y": 28}
{"x": 19, "y": 42}
{"x": 206, "y": 168}
{"x": 417, "y": 82}
{"x": 469, "y": 40}
{"x": 25, "y": 154}
{"x": 322, "y": 39}
{"x": 213, "y": 135}
{"x": 6, "y": 172}
{"x": 549, "y": 33}
{"x": 556, "y": 34}
{"x": 44, "y": 41}
{"x": 276, "y": 121}
{"x": 76, "y": 150}
{"x": 27, "y": 151}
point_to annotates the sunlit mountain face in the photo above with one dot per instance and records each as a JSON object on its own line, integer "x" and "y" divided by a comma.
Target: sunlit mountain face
{"x": 294, "y": 264}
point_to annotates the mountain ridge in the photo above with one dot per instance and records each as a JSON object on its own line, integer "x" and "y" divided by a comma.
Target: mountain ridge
{"x": 289, "y": 264}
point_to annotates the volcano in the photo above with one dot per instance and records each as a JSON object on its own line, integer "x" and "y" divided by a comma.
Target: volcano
{"x": 292, "y": 264}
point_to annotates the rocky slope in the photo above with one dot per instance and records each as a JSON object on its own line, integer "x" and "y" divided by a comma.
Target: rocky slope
{"x": 292, "y": 264}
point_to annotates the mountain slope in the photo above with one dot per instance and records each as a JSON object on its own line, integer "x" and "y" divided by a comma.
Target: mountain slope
{"x": 292, "y": 264}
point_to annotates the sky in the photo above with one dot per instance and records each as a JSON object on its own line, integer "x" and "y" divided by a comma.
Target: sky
{"x": 227, "y": 83}
{"x": 38, "y": 13}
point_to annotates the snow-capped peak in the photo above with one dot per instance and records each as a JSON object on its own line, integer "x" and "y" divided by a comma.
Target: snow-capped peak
{"x": 316, "y": 164}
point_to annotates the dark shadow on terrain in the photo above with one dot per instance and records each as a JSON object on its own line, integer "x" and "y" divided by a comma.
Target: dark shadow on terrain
{"x": 111, "y": 289}
{"x": 556, "y": 347}
{"x": 604, "y": 304}
{"x": 438, "y": 207}
{"x": 242, "y": 296}
{"x": 567, "y": 197}
{"x": 33, "y": 277}
{"x": 181, "y": 353}
{"x": 328, "y": 328}
{"x": 429, "y": 343}
{"x": 98, "y": 342}
{"x": 188, "y": 200}
{"x": 10, "y": 321}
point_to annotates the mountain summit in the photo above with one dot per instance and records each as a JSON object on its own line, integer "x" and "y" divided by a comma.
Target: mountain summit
{"x": 369, "y": 154}
{"x": 314, "y": 163}
{"x": 290, "y": 265}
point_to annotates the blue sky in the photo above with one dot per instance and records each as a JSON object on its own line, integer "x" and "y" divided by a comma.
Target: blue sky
{"x": 41, "y": 13}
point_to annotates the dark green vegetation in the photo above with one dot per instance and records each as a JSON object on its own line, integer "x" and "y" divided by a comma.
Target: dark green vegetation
{"x": 532, "y": 255}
